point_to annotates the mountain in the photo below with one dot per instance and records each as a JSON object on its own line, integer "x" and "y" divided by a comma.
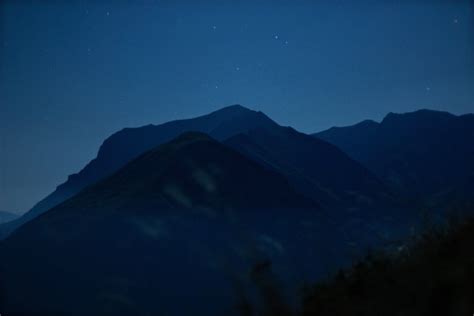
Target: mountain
{"x": 7, "y": 216}
{"x": 128, "y": 143}
{"x": 183, "y": 222}
{"x": 421, "y": 154}
{"x": 316, "y": 168}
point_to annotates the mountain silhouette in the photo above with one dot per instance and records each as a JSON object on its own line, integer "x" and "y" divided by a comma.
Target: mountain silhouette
{"x": 420, "y": 154}
{"x": 187, "y": 213}
{"x": 316, "y": 168}
{"x": 128, "y": 143}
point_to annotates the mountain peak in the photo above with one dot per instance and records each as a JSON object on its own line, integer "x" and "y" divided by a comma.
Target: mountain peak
{"x": 236, "y": 107}
{"x": 232, "y": 109}
{"x": 194, "y": 171}
{"x": 192, "y": 136}
{"x": 183, "y": 140}
{"x": 129, "y": 143}
{"x": 419, "y": 114}
{"x": 237, "y": 110}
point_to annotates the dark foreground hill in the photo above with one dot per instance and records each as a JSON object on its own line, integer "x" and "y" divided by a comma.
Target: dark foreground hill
{"x": 421, "y": 154}
{"x": 435, "y": 276}
{"x": 174, "y": 232}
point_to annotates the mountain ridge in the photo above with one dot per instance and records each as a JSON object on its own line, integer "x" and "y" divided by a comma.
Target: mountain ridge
{"x": 128, "y": 143}
{"x": 418, "y": 153}
{"x": 187, "y": 209}
{"x": 316, "y": 167}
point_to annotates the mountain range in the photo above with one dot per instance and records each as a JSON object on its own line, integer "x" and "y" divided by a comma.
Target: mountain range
{"x": 315, "y": 167}
{"x": 421, "y": 154}
{"x": 186, "y": 213}
{"x": 127, "y": 144}
{"x": 182, "y": 218}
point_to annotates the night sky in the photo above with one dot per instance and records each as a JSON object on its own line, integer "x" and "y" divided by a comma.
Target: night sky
{"x": 73, "y": 72}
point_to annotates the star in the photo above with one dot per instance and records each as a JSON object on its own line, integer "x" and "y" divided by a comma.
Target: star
{"x": 276, "y": 37}
{"x": 428, "y": 89}
{"x": 237, "y": 68}
{"x": 455, "y": 21}
{"x": 214, "y": 27}
{"x": 108, "y": 13}
{"x": 286, "y": 42}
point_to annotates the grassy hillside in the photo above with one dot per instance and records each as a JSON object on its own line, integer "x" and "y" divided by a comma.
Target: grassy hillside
{"x": 432, "y": 276}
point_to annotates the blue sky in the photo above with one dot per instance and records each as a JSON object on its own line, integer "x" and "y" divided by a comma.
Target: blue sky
{"x": 72, "y": 73}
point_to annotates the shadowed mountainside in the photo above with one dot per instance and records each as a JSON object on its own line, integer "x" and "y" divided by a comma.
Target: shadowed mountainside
{"x": 188, "y": 213}
{"x": 128, "y": 143}
{"x": 420, "y": 154}
{"x": 162, "y": 221}
{"x": 316, "y": 168}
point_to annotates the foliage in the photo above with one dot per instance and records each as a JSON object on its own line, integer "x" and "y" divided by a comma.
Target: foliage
{"x": 432, "y": 275}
